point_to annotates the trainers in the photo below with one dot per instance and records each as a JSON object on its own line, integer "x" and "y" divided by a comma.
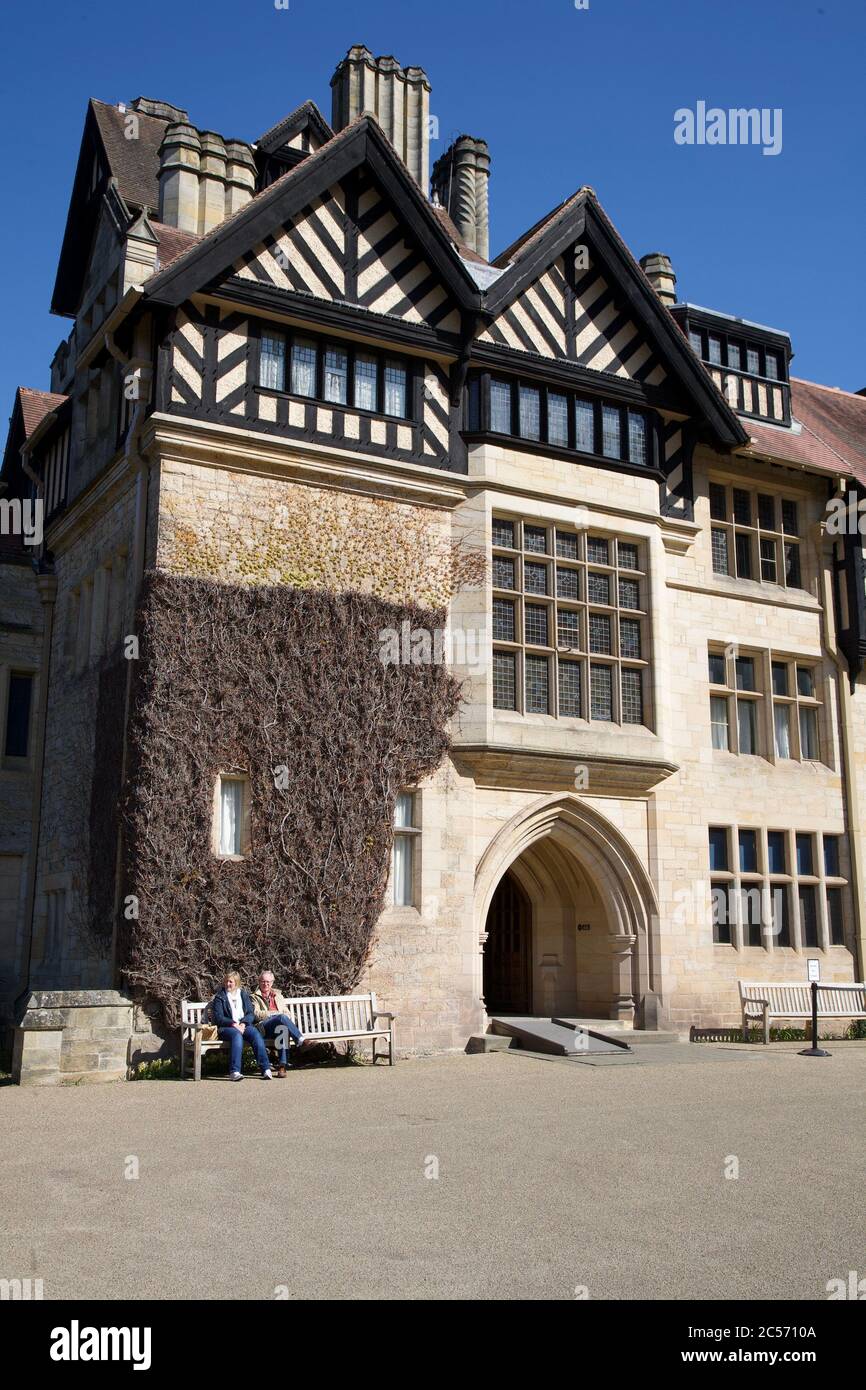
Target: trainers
{"x": 235, "y": 1076}
{"x": 267, "y": 1075}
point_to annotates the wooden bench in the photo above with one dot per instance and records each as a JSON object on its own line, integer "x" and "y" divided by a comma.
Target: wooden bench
{"x": 329, "y": 1018}
{"x": 794, "y": 1001}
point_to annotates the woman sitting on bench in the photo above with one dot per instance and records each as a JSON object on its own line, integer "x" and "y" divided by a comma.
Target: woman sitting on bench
{"x": 235, "y": 1019}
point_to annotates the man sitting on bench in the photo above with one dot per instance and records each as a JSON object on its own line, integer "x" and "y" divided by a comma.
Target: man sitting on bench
{"x": 273, "y": 1020}
{"x": 234, "y": 1016}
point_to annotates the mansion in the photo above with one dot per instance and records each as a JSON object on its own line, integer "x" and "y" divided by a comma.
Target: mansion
{"x": 656, "y": 777}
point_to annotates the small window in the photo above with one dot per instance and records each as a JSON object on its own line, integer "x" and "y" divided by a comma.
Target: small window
{"x": 272, "y": 363}
{"x": 632, "y": 696}
{"x": 504, "y": 680}
{"x": 776, "y": 857}
{"x": 597, "y": 551}
{"x": 807, "y": 894}
{"x": 366, "y": 381}
{"x": 806, "y": 681}
{"x": 568, "y": 628}
{"x": 336, "y": 375}
{"x": 537, "y": 685}
{"x": 637, "y": 438}
{"x": 503, "y": 573}
{"x": 718, "y": 849}
{"x": 627, "y": 555}
{"x": 584, "y": 426}
{"x": 629, "y": 593}
{"x": 503, "y": 533}
{"x": 835, "y": 916}
{"x": 500, "y": 407}
{"x": 804, "y": 854}
{"x": 734, "y": 357}
{"x": 782, "y": 730}
{"x": 720, "y": 551}
{"x": 723, "y": 913}
{"x": 233, "y": 816}
{"x": 718, "y": 502}
{"x": 781, "y": 912}
{"x": 598, "y": 588}
{"x": 599, "y": 634}
{"x": 809, "y": 734}
{"x": 405, "y": 838}
{"x": 747, "y": 726}
{"x": 600, "y": 692}
{"x": 768, "y": 561}
{"x": 745, "y": 673}
{"x": 753, "y": 363}
{"x": 766, "y": 512}
{"x": 566, "y": 546}
{"x": 743, "y": 545}
{"x": 789, "y": 518}
{"x": 395, "y": 388}
{"x": 18, "y": 705}
{"x": 569, "y": 689}
{"x": 529, "y": 412}
{"x": 831, "y": 856}
{"x": 303, "y": 367}
{"x": 535, "y": 577}
{"x": 536, "y": 625}
{"x": 557, "y": 419}
{"x": 535, "y": 539}
{"x": 629, "y": 638}
{"x": 742, "y": 507}
{"x": 714, "y": 350}
{"x": 719, "y": 722}
{"x": 792, "y": 565}
{"x": 503, "y": 620}
{"x": 567, "y": 584}
{"x": 780, "y": 678}
{"x": 716, "y": 668}
{"x": 695, "y": 342}
{"x": 772, "y": 362}
{"x": 610, "y": 424}
{"x": 748, "y": 851}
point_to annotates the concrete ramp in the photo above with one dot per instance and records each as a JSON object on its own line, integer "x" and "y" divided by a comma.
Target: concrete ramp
{"x": 557, "y": 1036}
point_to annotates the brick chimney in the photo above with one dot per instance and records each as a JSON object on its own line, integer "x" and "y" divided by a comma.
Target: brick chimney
{"x": 398, "y": 97}
{"x": 460, "y": 182}
{"x": 658, "y": 270}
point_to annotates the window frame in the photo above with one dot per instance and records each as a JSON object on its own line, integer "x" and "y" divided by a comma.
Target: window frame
{"x": 243, "y": 779}
{"x": 324, "y": 343}
{"x": 754, "y": 534}
{"x": 412, "y": 834}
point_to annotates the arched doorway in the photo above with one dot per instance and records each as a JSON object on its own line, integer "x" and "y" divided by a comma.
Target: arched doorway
{"x": 508, "y": 952}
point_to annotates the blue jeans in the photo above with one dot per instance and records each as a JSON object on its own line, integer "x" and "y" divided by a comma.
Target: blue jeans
{"x": 271, "y": 1025}
{"x": 236, "y": 1040}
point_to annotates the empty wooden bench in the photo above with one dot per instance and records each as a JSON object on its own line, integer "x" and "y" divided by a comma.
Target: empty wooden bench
{"x": 329, "y": 1018}
{"x": 794, "y": 1001}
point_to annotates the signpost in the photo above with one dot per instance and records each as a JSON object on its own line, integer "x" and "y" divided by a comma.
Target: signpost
{"x": 813, "y": 975}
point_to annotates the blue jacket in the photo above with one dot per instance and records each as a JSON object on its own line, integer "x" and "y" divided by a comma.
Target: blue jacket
{"x": 222, "y": 1010}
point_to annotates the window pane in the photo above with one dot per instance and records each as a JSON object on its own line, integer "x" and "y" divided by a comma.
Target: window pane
{"x": 584, "y": 426}
{"x": 806, "y": 681}
{"x": 504, "y": 681}
{"x": 503, "y": 533}
{"x": 716, "y": 664}
{"x": 831, "y": 856}
{"x": 366, "y": 379}
{"x": 231, "y": 809}
{"x": 808, "y": 915}
{"x": 336, "y": 375}
{"x": 534, "y": 578}
{"x": 535, "y": 539}
{"x": 718, "y": 502}
{"x": 750, "y": 912}
{"x": 745, "y": 673}
{"x": 792, "y": 565}
{"x": 748, "y": 851}
{"x": 529, "y": 409}
{"x": 597, "y": 552}
{"x": 637, "y": 451}
{"x": 835, "y": 917}
{"x": 18, "y": 716}
{"x": 780, "y": 678}
{"x": 744, "y": 555}
{"x": 720, "y": 551}
{"x": 695, "y": 342}
{"x": 537, "y": 693}
{"x": 629, "y": 637}
{"x": 557, "y": 419}
{"x": 599, "y": 633}
{"x": 767, "y": 512}
{"x": 627, "y": 555}
{"x": 632, "y": 697}
{"x": 272, "y": 363}
{"x": 404, "y": 846}
{"x": 748, "y": 726}
{"x": 500, "y": 407}
{"x": 404, "y": 810}
{"x": 714, "y": 346}
{"x": 395, "y": 388}
{"x": 566, "y": 545}
{"x": 776, "y": 858}
{"x": 568, "y": 583}
{"x": 569, "y": 689}
{"x": 809, "y": 734}
{"x": 734, "y": 359}
{"x": 782, "y": 724}
{"x": 503, "y": 572}
{"x": 781, "y": 918}
{"x": 629, "y": 593}
{"x": 804, "y": 854}
{"x": 772, "y": 362}
{"x": 610, "y": 427}
{"x": 568, "y": 628}
{"x": 723, "y": 913}
{"x": 503, "y": 620}
{"x": 753, "y": 364}
{"x": 536, "y": 625}
{"x": 718, "y": 849}
{"x": 719, "y": 722}
{"x": 600, "y": 692}
{"x": 768, "y": 561}
{"x": 742, "y": 507}
{"x": 597, "y": 587}
{"x": 303, "y": 367}
{"x": 789, "y": 518}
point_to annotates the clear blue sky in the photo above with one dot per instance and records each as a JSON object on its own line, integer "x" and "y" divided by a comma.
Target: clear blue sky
{"x": 564, "y": 97}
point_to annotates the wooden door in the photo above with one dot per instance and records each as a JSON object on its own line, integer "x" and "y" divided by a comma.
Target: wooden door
{"x": 507, "y": 952}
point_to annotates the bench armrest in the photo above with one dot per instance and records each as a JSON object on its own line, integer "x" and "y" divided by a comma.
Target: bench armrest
{"x": 195, "y": 1027}
{"x": 380, "y": 1014}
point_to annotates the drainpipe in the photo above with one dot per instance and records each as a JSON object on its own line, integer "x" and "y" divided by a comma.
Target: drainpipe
{"x": 849, "y": 772}
{"x": 133, "y": 459}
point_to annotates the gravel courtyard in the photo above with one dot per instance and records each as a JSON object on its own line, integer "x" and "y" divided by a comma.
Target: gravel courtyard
{"x": 552, "y": 1177}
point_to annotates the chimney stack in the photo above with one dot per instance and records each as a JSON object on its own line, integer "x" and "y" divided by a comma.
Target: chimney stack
{"x": 398, "y": 97}
{"x": 658, "y": 270}
{"x": 460, "y": 182}
{"x": 203, "y": 179}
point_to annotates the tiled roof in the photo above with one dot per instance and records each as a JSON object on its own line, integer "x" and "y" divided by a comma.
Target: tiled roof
{"x": 134, "y": 163}
{"x": 444, "y": 218}
{"x": 35, "y": 405}
{"x": 829, "y": 434}
{"x": 172, "y": 242}
{"x": 519, "y": 247}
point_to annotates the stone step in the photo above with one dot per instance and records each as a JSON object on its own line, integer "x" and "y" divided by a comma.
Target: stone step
{"x": 623, "y": 1033}
{"x": 490, "y": 1042}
